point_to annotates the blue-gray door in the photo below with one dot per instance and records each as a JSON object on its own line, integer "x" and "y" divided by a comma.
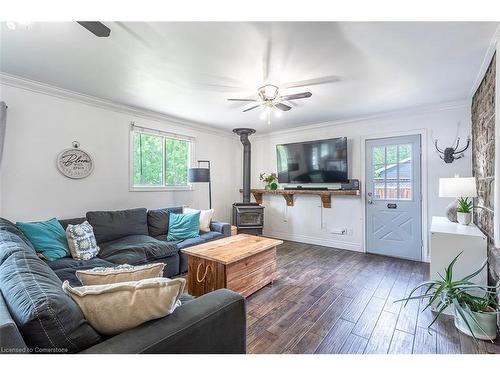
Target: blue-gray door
{"x": 393, "y": 197}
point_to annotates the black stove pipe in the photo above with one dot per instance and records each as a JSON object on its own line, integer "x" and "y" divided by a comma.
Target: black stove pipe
{"x": 247, "y": 160}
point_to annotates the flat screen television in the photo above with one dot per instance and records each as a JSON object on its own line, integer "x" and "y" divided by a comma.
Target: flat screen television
{"x": 323, "y": 161}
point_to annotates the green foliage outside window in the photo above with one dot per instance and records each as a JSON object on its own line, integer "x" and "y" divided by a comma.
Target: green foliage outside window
{"x": 176, "y": 170}
{"x": 159, "y": 161}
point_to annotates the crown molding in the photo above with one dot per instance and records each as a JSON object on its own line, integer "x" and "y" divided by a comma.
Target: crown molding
{"x": 492, "y": 48}
{"x": 43, "y": 88}
{"x": 412, "y": 111}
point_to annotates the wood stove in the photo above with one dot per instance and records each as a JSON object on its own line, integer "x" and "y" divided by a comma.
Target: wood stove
{"x": 248, "y": 217}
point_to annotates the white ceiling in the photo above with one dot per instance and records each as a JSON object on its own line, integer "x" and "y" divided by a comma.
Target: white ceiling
{"x": 188, "y": 70}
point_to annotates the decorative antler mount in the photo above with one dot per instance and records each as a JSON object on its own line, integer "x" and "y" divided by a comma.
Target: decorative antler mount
{"x": 450, "y": 154}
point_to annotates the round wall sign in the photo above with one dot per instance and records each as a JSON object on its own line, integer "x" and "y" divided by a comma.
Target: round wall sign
{"x": 75, "y": 163}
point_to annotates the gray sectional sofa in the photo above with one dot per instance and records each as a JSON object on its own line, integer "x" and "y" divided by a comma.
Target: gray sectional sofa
{"x": 37, "y": 316}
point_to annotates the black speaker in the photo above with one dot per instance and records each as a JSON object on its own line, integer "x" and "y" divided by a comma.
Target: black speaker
{"x": 351, "y": 185}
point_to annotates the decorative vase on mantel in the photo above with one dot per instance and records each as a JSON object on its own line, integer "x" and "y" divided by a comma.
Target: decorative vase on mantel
{"x": 272, "y": 186}
{"x": 271, "y": 181}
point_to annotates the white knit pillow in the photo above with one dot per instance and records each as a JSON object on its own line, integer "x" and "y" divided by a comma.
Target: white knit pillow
{"x": 205, "y": 217}
{"x": 81, "y": 241}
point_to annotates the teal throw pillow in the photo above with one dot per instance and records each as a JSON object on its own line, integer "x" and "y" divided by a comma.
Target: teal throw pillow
{"x": 182, "y": 226}
{"x": 48, "y": 238}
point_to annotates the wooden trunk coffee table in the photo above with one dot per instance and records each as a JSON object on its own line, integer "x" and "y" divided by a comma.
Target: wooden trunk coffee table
{"x": 242, "y": 263}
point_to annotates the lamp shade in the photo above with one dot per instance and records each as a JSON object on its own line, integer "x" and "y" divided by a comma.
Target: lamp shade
{"x": 457, "y": 187}
{"x": 199, "y": 175}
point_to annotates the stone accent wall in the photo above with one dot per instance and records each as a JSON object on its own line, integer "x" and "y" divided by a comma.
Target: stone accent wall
{"x": 483, "y": 162}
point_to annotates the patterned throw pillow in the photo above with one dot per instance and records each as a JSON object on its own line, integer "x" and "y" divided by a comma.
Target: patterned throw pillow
{"x": 81, "y": 241}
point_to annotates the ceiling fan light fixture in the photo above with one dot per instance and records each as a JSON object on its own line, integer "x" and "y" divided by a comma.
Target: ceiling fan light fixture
{"x": 268, "y": 92}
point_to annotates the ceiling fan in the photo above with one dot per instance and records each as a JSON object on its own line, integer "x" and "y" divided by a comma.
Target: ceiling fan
{"x": 97, "y": 28}
{"x": 269, "y": 97}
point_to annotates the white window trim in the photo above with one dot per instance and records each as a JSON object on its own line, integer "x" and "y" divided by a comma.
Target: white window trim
{"x": 145, "y": 130}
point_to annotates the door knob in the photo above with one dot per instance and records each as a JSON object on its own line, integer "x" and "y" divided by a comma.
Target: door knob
{"x": 369, "y": 199}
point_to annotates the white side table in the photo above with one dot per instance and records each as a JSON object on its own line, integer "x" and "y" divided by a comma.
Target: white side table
{"x": 448, "y": 240}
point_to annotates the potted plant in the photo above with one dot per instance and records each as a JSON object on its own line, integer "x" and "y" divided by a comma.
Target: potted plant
{"x": 270, "y": 179}
{"x": 475, "y": 306}
{"x": 464, "y": 211}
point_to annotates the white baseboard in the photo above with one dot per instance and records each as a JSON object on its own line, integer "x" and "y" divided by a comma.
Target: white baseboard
{"x": 344, "y": 245}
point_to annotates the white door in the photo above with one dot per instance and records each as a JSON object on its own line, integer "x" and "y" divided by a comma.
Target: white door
{"x": 393, "y": 197}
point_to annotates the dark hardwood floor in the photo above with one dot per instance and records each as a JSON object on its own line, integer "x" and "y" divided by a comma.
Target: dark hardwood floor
{"x": 334, "y": 301}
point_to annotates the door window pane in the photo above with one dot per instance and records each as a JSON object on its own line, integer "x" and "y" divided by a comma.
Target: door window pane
{"x": 379, "y": 155}
{"x": 391, "y": 154}
{"x": 392, "y": 172}
{"x": 379, "y": 190}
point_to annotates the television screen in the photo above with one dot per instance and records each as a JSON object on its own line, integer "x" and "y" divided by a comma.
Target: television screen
{"x": 323, "y": 161}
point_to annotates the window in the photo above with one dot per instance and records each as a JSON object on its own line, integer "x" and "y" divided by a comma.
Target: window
{"x": 159, "y": 160}
{"x": 392, "y": 172}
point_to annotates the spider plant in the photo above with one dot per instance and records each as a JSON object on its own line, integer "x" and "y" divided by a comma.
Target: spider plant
{"x": 445, "y": 292}
{"x": 464, "y": 205}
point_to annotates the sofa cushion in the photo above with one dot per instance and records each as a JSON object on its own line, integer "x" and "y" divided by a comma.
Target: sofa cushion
{"x": 111, "y": 225}
{"x": 7, "y": 226}
{"x": 136, "y": 249}
{"x": 48, "y": 238}
{"x": 203, "y": 237}
{"x": 158, "y": 220}
{"x": 46, "y": 317}
{"x": 72, "y": 221}
{"x": 76, "y": 264}
{"x": 11, "y": 243}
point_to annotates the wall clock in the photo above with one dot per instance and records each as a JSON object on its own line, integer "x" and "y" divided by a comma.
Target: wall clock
{"x": 75, "y": 162}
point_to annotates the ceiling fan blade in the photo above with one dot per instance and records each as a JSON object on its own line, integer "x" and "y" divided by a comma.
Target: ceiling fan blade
{"x": 242, "y": 100}
{"x": 249, "y": 109}
{"x": 266, "y": 61}
{"x": 300, "y": 95}
{"x": 283, "y": 106}
{"x": 97, "y": 28}
{"x": 312, "y": 82}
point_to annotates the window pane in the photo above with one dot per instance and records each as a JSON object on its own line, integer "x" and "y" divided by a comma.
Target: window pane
{"x": 177, "y": 160}
{"x": 391, "y": 189}
{"x": 148, "y": 160}
{"x": 379, "y": 155}
{"x": 392, "y": 154}
{"x": 405, "y": 178}
{"x": 404, "y": 152}
{"x": 379, "y": 189}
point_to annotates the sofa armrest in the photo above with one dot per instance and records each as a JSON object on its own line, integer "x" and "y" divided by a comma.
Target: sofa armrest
{"x": 214, "y": 323}
{"x": 221, "y": 227}
{"x": 11, "y": 341}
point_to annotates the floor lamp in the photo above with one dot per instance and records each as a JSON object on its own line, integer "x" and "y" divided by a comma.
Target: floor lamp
{"x": 202, "y": 175}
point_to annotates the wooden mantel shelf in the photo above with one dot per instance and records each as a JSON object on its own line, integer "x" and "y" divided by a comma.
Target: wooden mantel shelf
{"x": 325, "y": 195}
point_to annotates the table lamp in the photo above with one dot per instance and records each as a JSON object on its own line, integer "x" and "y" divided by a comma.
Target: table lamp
{"x": 202, "y": 175}
{"x": 457, "y": 187}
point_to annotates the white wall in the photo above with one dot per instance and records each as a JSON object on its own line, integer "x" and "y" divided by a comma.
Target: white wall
{"x": 40, "y": 126}
{"x": 302, "y": 222}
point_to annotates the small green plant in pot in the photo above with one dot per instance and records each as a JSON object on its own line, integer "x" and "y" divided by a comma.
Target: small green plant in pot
{"x": 464, "y": 210}
{"x": 271, "y": 180}
{"x": 475, "y": 306}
